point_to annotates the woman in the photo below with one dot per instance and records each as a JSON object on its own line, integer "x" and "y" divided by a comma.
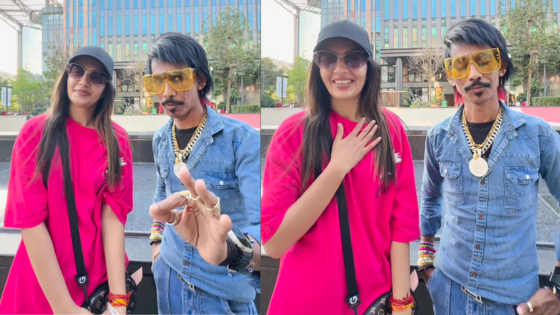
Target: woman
{"x": 78, "y": 124}
{"x": 300, "y": 220}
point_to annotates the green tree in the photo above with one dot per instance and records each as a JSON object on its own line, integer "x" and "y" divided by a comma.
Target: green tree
{"x": 29, "y": 93}
{"x": 270, "y": 71}
{"x": 56, "y": 57}
{"x": 298, "y": 78}
{"x": 428, "y": 63}
{"x": 227, "y": 39}
{"x": 525, "y": 28}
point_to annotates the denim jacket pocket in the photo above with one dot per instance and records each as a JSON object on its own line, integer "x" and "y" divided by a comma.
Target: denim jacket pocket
{"x": 519, "y": 186}
{"x": 453, "y": 183}
{"x": 226, "y": 187}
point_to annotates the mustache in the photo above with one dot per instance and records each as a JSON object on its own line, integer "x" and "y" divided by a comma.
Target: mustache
{"x": 477, "y": 83}
{"x": 172, "y": 101}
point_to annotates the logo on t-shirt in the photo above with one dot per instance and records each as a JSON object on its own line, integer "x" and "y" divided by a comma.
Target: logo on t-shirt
{"x": 397, "y": 157}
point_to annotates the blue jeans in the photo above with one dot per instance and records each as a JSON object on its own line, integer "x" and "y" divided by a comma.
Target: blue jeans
{"x": 175, "y": 297}
{"x": 449, "y": 299}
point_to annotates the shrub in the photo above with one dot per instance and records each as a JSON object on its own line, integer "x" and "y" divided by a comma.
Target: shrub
{"x": 267, "y": 101}
{"x": 245, "y": 109}
{"x": 546, "y": 101}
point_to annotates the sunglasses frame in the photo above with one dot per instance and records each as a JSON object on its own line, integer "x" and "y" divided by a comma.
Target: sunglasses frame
{"x": 339, "y": 57}
{"x": 166, "y": 78}
{"x": 449, "y": 63}
{"x": 70, "y": 65}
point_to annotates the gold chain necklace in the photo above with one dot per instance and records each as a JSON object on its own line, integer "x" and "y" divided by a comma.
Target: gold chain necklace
{"x": 182, "y": 155}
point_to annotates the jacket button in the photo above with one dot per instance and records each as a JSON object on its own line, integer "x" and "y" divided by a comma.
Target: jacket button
{"x": 481, "y": 217}
{"x": 483, "y": 182}
{"x": 478, "y": 247}
{"x": 473, "y": 274}
{"x": 186, "y": 263}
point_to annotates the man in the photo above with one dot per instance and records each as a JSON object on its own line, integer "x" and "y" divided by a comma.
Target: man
{"x": 224, "y": 153}
{"x": 485, "y": 163}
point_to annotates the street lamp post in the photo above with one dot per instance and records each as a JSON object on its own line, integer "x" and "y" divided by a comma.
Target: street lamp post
{"x": 242, "y": 90}
{"x": 544, "y": 64}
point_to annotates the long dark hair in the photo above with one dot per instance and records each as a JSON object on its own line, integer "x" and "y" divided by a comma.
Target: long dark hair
{"x": 318, "y": 140}
{"x": 55, "y": 135}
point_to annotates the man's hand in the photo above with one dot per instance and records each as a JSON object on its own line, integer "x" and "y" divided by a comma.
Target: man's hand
{"x": 197, "y": 225}
{"x": 427, "y": 274}
{"x": 544, "y": 302}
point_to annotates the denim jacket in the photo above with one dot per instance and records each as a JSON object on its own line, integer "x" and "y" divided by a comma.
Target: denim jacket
{"x": 488, "y": 242}
{"x": 227, "y": 158}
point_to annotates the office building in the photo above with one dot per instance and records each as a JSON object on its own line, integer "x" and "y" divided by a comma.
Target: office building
{"x": 127, "y": 28}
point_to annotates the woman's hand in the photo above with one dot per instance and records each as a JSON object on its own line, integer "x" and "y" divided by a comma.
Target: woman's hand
{"x": 348, "y": 152}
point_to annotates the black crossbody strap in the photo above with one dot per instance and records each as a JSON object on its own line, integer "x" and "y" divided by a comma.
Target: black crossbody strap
{"x": 82, "y": 276}
{"x": 353, "y": 297}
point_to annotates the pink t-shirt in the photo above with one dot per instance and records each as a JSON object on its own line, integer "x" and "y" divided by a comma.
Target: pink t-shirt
{"x": 30, "y": 203}
{"x": 311, "y": 278}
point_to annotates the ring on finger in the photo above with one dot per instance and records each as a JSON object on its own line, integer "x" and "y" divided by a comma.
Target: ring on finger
{"x": 176, "y": 218}
{"x": 215, "y": 209}
{"x": 530, "y": 306}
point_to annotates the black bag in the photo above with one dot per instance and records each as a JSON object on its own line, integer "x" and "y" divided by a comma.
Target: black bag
{"x": 383, "y": 304}
{"x": 97, "y": 302}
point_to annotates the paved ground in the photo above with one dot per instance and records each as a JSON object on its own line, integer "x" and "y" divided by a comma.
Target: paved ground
{"x": 548, "y": 211}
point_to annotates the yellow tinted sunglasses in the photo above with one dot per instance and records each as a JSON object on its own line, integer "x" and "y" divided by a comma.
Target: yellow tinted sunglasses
{"x": 180, "y": 80}
{"x": 486, "y": 61}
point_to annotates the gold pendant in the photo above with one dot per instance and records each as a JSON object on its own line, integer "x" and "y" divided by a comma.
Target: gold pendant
{"x": 478, "y": 166}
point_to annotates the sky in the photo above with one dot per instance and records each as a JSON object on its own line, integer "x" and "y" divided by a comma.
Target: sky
{"x": 277, "y": 32}
{"x": 8, "y": 55}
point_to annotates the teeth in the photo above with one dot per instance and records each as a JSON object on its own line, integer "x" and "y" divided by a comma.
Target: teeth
{"x": 342, "y": 81}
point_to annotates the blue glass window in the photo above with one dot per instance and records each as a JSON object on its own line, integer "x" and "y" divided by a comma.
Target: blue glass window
{"x": 492, "y": 7}
{"x": 405, "y": 10}
{"x": 110, "y": 27}
{"x": 119, "y": 26}
{"x": 179, "y": 23}
{"x": 153, "y": 23}
{"x": 473, "y": 7}
{"x": 414, "y": 9}
{"x": 102, "y": 26}
{"x": 94, "y": 39}
{"x": 377, "y": 5}
{"x": 136, "y": 4}
{"x": 443, "y": 9}
{"x": 188, "y": 23}
{"x": 396, "y": 10}
{"x": 434, "y": 8}
{"x": 144, "y": 25}
{"x": 196, "y": 30}
{"x": 463, "y": 8}
{"x": 94, "y": 19}
{"x": 118, "y": 4}
{"x": 386, "y": 9}
{"x": 161, "y": 24}
{"x": 81, "y": 19}
{"x": 102, "y": 4}
{"x": 127, "y": 25}
{"x": 453, "y": 9}
{"x": 483, "y": 7}
{"x": 136, "y": 25}
{"x": 170, "y": 23}
{"x": 424, "y": 8}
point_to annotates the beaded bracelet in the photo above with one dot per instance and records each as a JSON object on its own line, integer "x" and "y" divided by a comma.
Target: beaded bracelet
{"x": 157, "y": 232}
{"x": 426, "y": 255}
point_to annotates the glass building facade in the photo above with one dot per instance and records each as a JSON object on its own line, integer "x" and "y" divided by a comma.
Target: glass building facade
{"x": 127, "y": 28}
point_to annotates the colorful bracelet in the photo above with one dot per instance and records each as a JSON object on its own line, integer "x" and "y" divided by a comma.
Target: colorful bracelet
{"x": 118, "y": 300}
{"x": 403, "y": 304}
{"x": 157, "y": 232}
{"x": 426, "y": 255}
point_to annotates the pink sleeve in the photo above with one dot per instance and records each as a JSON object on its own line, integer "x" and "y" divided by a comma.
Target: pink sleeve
{"x": 405, "y": 218}
{"x": 282, "y": 177}
{"x": 120, "y": 199}
{"x": 26, "y": 206}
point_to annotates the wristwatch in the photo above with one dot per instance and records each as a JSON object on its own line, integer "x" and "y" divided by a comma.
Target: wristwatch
{"x": 244, "y": 256}
{"x": 555, "y": 281}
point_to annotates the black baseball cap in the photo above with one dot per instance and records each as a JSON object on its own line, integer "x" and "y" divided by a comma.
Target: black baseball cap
{"x": 97, "y": 53}
{"x": 345, "y": 29}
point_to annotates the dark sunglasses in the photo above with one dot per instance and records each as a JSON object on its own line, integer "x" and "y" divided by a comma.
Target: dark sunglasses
{"x": 77, "y": 71}
{"x": 328, "y": 59}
